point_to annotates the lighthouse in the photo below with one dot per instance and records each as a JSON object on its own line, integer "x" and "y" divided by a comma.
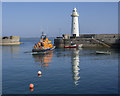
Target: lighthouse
{"x": 75, "y": 25}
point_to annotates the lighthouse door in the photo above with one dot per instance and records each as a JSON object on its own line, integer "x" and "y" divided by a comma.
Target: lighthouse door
{"x": 74, "y": 35}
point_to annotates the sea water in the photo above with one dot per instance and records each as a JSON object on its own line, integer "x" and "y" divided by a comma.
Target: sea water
{"x": 64, "y": 71}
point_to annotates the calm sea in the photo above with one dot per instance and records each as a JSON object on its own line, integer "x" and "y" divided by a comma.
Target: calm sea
{"x": 64, "y": 71}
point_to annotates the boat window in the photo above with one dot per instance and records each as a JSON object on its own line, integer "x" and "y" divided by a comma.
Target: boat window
{"x": 44, "y": 38}
{"x": 72, "y": 43}
{"x": 41, "y": 44}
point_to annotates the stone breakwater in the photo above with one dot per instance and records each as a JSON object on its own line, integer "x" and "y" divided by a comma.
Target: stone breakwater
{"x": 11, "y": 40}
{"x": 89, "y": 40}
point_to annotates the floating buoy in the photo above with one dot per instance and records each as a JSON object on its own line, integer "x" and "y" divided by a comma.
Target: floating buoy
{"x": 31, "y": 86}
{"x": 39, "y": 75}
{"x": 31, "y": 89}
{"x": 39, "y": 72}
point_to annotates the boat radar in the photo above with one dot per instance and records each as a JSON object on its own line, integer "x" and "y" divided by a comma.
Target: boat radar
{"x": 75, "y": 25}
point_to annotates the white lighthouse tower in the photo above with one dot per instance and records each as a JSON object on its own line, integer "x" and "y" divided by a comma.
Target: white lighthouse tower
{"x": 75, "y": 25}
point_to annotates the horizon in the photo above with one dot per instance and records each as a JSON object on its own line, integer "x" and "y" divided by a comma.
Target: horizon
{"x": 57, "y": 36}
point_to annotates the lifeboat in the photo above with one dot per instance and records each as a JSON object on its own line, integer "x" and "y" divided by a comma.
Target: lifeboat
{"x": 44, "y": 45}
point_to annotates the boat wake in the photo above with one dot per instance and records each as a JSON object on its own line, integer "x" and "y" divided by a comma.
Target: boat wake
{"x": 30, "y": 52}
{"x": 37, "y": 53}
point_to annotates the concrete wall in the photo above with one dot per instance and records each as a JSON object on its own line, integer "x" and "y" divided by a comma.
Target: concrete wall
{"x": 11, "y": 40}
{"x": 59, "y": 43}
{"x": 100, "y": 40}
{"x": 15, "y": 38}
{"x": 107, "y": 38}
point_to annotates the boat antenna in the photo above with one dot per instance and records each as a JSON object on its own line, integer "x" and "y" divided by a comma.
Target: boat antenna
{"x": 41, "y": 35}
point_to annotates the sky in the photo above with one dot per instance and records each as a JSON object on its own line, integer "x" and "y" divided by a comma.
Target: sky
{"x": 60, "y": 0}
{"x": 30, "y": 19}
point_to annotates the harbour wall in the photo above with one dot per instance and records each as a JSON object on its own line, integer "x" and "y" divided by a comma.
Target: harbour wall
{"x": 89, "y": 40}
{"x": 11, "y": 40}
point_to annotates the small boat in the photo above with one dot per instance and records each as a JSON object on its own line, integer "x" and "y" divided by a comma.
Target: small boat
{"x": 72, "y": 46}
{"x": 103, "y": 52}
{"x": 43, "y": 46}
{"x": 80, "y": 45}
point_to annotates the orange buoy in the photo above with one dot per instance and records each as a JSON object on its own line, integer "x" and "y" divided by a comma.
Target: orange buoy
{"x": 39, "y": 75}
{"x": 31, "y": 89}
{"x": 31, "y": 86}
{"x": 39, "y": 72}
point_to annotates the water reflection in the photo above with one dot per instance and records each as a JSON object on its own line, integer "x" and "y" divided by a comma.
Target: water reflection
{"x": 11, "y": 49}
{"x": 43, "y": 59}
{"x": 74, "y": 54}
{"x": 75, "y": 66}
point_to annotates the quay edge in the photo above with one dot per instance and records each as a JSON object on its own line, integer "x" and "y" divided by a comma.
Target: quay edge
{"x": 89, "y": 40}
